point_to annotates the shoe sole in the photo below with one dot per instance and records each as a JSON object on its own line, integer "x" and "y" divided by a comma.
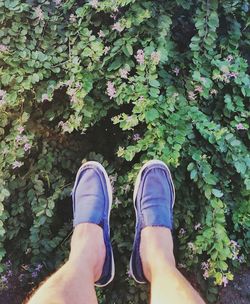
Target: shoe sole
{"x": 137, "y": 184}
{"x": 110, "y": 195}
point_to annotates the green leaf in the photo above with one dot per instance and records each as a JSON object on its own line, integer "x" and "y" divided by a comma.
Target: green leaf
{"x": 35, "y": 78}
{"x": 151, "y": 115}
{"x": 115, "y": 65}
{"x": 154, "y": 83}
{"x": 217, "y": 192}
{"x": 128, "y": 50}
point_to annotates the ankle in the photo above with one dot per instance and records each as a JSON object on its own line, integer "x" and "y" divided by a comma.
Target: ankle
{"x": 156, "y": 250}
{"x": 88, "y": 248}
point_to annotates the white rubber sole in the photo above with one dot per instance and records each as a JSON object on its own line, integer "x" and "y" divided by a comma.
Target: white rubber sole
{"x": 137, "y": 184}
{"x": 110, "y": 197}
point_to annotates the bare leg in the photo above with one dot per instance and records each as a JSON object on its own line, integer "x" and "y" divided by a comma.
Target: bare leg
{"x": 167, "y": 284}
{"x": 73, "y": 283}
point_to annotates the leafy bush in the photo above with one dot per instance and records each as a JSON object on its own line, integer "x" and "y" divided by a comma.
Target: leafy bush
{"x": 130, "y": 81}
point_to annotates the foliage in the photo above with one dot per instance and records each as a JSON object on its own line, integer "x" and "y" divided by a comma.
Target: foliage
{"x": 130, "y": 80}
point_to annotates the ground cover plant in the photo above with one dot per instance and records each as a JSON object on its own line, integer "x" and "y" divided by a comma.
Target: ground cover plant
{"x": 122, "y": 82}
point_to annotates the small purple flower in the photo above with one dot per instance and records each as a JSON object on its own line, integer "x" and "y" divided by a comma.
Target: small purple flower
{"x": 241, "y": 258}
{"x": 20, "y": 129}
{"x": 155, "y": 57}
{"x": 176, "y": 70}
{"x": 117, "y": 27}
{"x": 4, "y": 279}
{"x": 136, "y": 137}
{"x": 117, "y": 202}
{"x": 191, "y": 246}
{"x": 205, "y": 274}
{"x": 3, "y": 48}
{"x": 124, "y": 73}
{"x": 9, "y": 273}
{"x": 106, "y": 49}
{"x": 27, "y": 147}
{"x": 191, "y": 95}
{"x": 16, "y": 164}
{"x": 140, "y": 56}
{"x": 182, "y": 231}
{"x": 232, "y": 75}
{"x": 72, "y": 18}
{"x": 94, "y": 3}
{"x": 57, "y": 2}
{"x": 229, "y": 58}
{"x": 129, "y": 273}
{"x": 198, "y": 89}
{"x": 224, "y": 281}
{"x": 39, "y": 267}
{"x": 101, "y": 34}
{"x": 21, "y": 139}
{"x": 8, "y": 263}
{"x": 111, "y": 91}
{"x": 34, "y": 274}
{"x": 39, "y": 13}
{"x": 45, "y": 97}
{"x": 214, "y": 92}
{"x": 204, "y": 265}
{"x": 240, "y": 126}
{"x": 20, "y": 278}
{"x": 2, "y": 97}
{"x": 197, "y": 226}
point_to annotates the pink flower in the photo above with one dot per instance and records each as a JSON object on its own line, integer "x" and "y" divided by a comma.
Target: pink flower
{"x": 191, "y": 246}
{"x": 124, "y": 73}
{"x": 129, "y": 273}
{"x": 117, "y": 202}
{"x": 16, "y": 164}
{"x": 197, "y": 226}
{"x": 94, "y": 3}
{"x": 27, "y": 147}
{"x": 204, "y": 265}
{"x": 191, "y": 95}
{"x": 224, "y": 281}
{"x": 2, "y": 97}
{"x": 176, "y": 71}
{"x": 241, "y": 258}
{"x": 72, "y": 18}
{"x": 19, "y": 138}
{"x": 214, "y": 92}
{"x": 20, "y": 129}
{"x": 45, "y": 97}
{"x": 155, "y": 57}
{"x": 117, "y": 27}
{"x": 205, "y": 274}
{"x": 39, "y": 13}
{"x": 3, "y": 48}
{"x": 233, "y": 74}
{"x": 240, "y": 126}
{"x": 140, "y": 56}
{"x": 111, "y": 91}
{"x": 57, "y": 2}
{"x": 101, "y": 34}
{"x": 198, "y": 89}
{"x": 106, "y": 49}
{"x": 229, "y": 58}
{"x": 182, "y": 231}
{"x": 136, "y": 137}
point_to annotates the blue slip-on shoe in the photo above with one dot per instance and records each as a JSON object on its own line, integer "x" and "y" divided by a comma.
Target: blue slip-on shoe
{"x": 92, "y": 201}
{"x": 154, "y": 197}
